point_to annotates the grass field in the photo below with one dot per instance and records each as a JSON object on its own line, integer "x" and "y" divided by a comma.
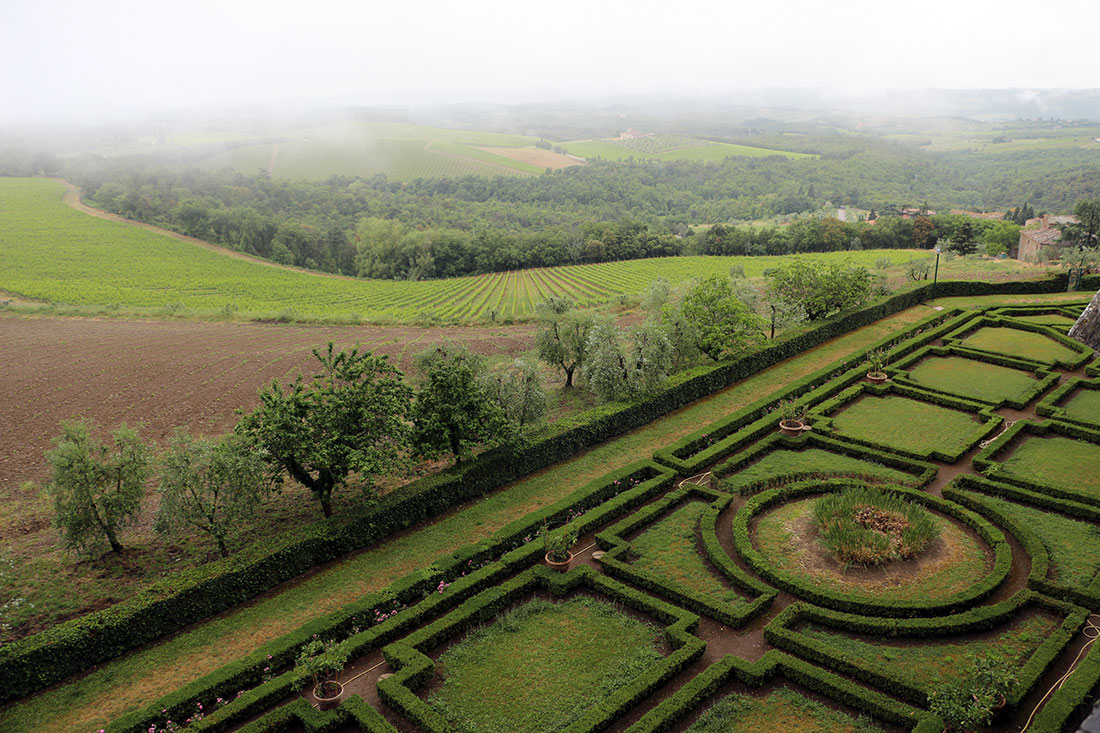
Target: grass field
{"x": 1015, "y": 342}
{"x": 53, "y": 253}
{"x": 909, "y": 425}
{"x": 667, "y": 147}
{"x": 784, "y": 710}
{"x": 1063, "y": 463}
{"x": 785, "y": 462}
{"x": 1084, "y": 406}
{"x": 1074, "y": 545}
{"x": 399, "y": 151}
{"x": 972, "y": 378}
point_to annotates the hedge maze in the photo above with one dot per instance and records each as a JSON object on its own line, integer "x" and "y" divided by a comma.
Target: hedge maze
{"x": 703, "y": 596}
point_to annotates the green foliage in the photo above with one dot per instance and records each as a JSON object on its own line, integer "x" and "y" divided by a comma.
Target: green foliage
{"x": 453, "y": 411}
{"x": 821, "y": 291}
{"x": 615, "y": 371}
{"x": 321, "y": 662}
{"x": 517, "y": 390}
{"x": 562, "y": 336}
{"x": 208, "y": 486}
{"x": 349, "y": 418}
{"x": 864, "y": 526}
{"x": 723, "y": 326}
{"x": 970, "y": 704}
{"x": 1000, "y": 238}
{"x": 558, "y": 544}
{"x": 96, "y": 488}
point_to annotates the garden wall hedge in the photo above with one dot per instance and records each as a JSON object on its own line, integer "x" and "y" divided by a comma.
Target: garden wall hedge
{"x": 30, "y": 664}
{"x": 1051, "y": 406}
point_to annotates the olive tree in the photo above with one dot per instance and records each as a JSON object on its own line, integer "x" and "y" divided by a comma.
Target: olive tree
{"x": 562, "y": 335}
{"x": 208, "y": 486}
{"x": 518, "y": 390}
{"x": 349, "y": 418}
{"x": 96, "y": 487}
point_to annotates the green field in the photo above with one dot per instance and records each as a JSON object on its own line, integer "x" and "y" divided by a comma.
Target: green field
{"x": 397, "y": 150}
{"x": 668, "y": 147}
{"x": 53, "y": 253}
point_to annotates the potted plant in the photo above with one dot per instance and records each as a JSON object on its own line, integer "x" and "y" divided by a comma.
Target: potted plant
{"x": 876, "y": 363}
{"x": 559, "y": 546}
{"x": 322, "y": 662}
{"x": 791, "y": 415}
{"x": 976, "y": 701}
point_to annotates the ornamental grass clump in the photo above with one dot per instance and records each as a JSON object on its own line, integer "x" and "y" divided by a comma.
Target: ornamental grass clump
{"x": 865, "y": 526}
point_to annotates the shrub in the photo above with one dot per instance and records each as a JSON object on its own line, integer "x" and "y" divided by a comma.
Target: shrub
{"x": 864, "y": 526}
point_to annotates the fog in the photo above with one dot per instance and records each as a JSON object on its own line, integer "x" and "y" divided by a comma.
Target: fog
{"x": 78, "y": 61}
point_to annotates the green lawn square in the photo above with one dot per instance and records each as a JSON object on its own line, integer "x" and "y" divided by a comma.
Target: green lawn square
{"x": 906, "y": 424}
{"x": 1058, "y": 462}
{"x": 972, "y": 378}
{"x": 1084, "y": 407}
{"x": 1018, "y": 342}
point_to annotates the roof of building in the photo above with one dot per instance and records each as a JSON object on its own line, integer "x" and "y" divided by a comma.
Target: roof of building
{"x": 1042, "y": 236}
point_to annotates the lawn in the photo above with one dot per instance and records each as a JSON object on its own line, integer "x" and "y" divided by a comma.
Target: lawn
{"x": 931, "y": 663}
{"x": 951, "y": 564}
{"x": 1074, "y": 545}
{"x": 668, "y": 550}
{"x": 1017, "y": 342}
{"x": 906, "y": 424}
{"x": 1054, "y": 320}
{"x": 1084, "y": 406}
{"x": 542, "y": 666}
{"x": 972, "y": 378}
{"x": 779, "y": 710}
{"x": 1063, "y": 463}
{"x": 785, "y": 462}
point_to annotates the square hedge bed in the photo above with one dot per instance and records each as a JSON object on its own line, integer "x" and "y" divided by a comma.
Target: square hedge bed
{"x": 780, "y": 459}
{"x": 974, "y": 375}
{"x": 1047, "y": 458}
{"x": 916, "y": 423}
{"x": 1014, "y": 338}
{"x": 1077, "y": 401}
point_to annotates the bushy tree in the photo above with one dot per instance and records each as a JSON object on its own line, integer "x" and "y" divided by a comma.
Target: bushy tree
{"x": 453, "y": 411}
{"x": 518, "y": 391}
{"x": 821, "y": 290}
{"x": 616, "y": 370}
{"x": 209, "y": 486}
{"x": 651, "y": 358}
{"x": 1085, "y": 233}
{"x": 722, "y": 324}
{"x": 962, "y": 240}
{"x": 349, "y": 418}
{"x": 1000, "y": 237}
{"x": 96, "y": 487}
{"x": 562, "y": 335}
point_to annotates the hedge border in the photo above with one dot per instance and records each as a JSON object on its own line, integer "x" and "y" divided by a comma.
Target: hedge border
{"x": 1084, "y": 353}
{"x": 1074, "y": 699}
{"x": 31, "y": 663}
{"x": 858, "y": 603}
{"x": 506, "y": 552}
{"x": 985, "y": 462}
{"x": 414, "y": 668}
{"x": 972, "y": 492}
{"x": 821, "y": 419}
{"x": 770, "y": 667}
{"x": 781, "y": 632}
{"x": 613, "y": 541}
{"x": 1046, "y": 377}
{"x": 923, "y": 472}
{"x": 1050, "y": 405}
{"x": 721, "y": 438}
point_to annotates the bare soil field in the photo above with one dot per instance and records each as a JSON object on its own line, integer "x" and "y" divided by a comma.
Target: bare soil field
{"x": 536, "y": 156}
{"x": 162, "y": 374}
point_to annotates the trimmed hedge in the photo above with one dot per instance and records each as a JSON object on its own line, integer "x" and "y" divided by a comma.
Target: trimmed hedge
{"x": 822, "y": 421}
{"x": 1084, "y": 353}
{"x": 1046, "y": 377}
{"x": 984, "y": 461}
{"x": 965, "y": 490}
{"x": 301, "y": 714}
{"x": 868, "y": 604}
{"x": 1051, "y": 407}
{"x": 772, "y": 666}
{"x": 414, "y": 668}
{"x": 506, "y": 552}
{"x": 1071, "y": 702}
{"x": 781, "y": 633}
{"x": 692, "y": 453}
{"x": 923, "y": 472}
{"x": 614, "y": 562}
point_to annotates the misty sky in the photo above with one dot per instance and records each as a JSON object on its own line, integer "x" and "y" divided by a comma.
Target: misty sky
{"x": 78, "y": 60}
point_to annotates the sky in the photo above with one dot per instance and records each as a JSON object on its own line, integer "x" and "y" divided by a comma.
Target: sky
{"x": 67, "y": 60}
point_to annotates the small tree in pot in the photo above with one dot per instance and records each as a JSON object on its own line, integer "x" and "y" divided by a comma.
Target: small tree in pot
{"x": 970, "y": 704}
{"x": 876, "y": 364}
{"x": 791, "y": 415}
{"x": 323, "y": 661}
{"x": 559, "y": 546}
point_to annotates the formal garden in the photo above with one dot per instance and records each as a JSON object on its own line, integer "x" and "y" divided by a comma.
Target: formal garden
{"x": 915, "y": 554}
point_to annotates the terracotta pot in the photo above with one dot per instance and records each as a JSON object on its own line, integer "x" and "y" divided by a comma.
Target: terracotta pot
{"x": 791, "y": 427}
{"x": 877, "y": 377}
{"x": 561, "y": 567}
{"x": 328, "y": 703}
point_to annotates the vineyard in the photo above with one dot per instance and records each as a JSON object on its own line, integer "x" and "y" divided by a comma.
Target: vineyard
{"x": 55, "y": 254}
{"x": 398, "y": 151}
